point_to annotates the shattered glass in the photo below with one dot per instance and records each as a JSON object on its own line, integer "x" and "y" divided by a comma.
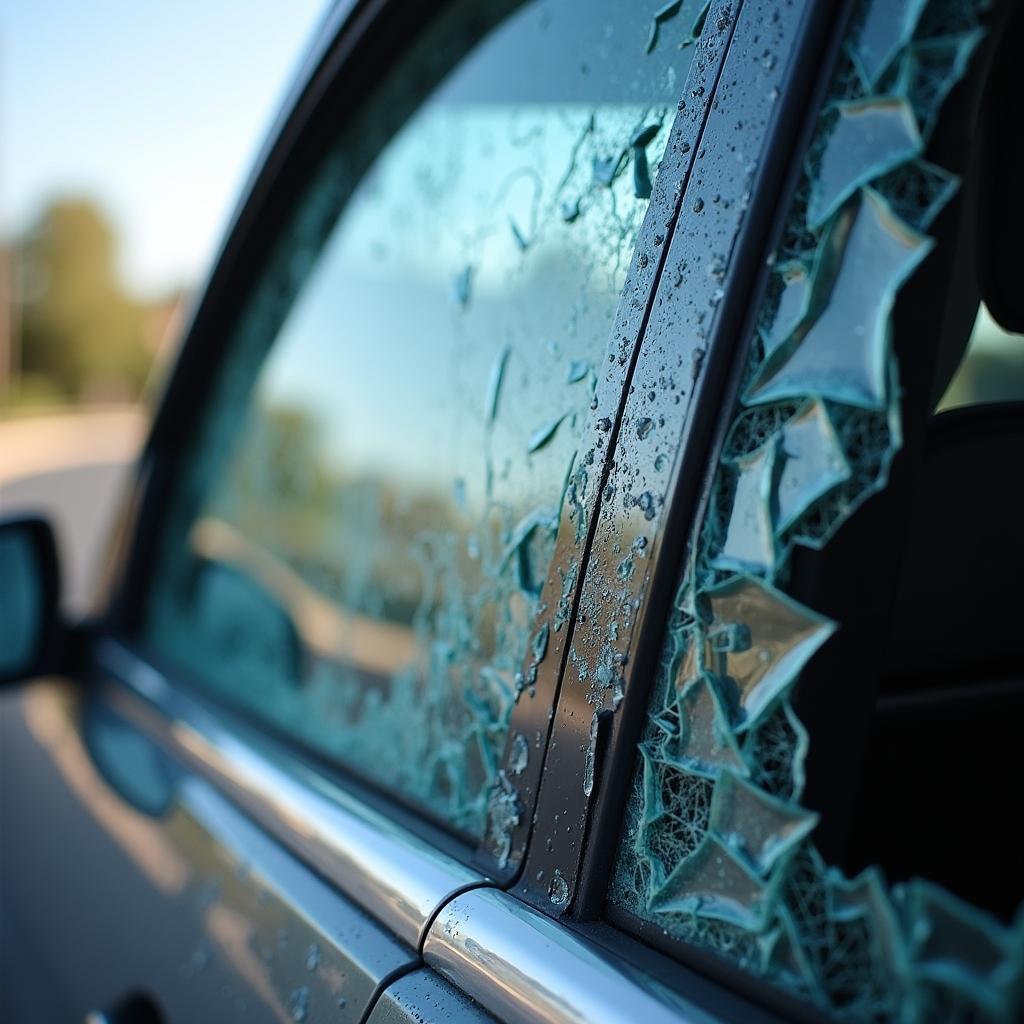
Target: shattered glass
{"x": 359, "y": 543}
{"x": 717, "y": 850}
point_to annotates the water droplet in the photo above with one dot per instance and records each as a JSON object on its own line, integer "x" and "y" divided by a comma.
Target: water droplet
{"x": 558, "y": 889}
{"x": 313, "y": 957}
{"x": 298, "y": 1004}
{"x": 520, "y": 754}
{"x": 577, "y": 371}
{"x": 462, "y": 284}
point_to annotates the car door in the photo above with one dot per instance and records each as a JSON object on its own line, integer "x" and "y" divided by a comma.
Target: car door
{"x": 528, "y": 745}
{"x": 288, "y": 741}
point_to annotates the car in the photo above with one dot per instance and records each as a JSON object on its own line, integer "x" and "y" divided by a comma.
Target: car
{"x": 573, "y": 572}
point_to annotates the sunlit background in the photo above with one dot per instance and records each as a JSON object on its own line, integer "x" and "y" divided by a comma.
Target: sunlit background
{"x": 127, "y": 131}
{"x": 126, "y": 134}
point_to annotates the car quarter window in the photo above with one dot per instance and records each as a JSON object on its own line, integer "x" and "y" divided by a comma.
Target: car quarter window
{"x": 366, "y": 510}
{"x": 825, "y": 790}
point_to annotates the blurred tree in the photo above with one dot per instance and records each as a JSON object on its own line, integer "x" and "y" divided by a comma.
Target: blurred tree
{"x": 80, "y": 332}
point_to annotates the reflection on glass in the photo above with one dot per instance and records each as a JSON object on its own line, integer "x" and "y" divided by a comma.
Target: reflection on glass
{"x": 992, "y": 369}
{"x": 394, "y": 483}
{"x": 22, "y": 617}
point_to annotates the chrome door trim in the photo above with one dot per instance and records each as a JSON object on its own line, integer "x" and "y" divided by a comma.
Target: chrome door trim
{"x": 525, "y": 968}
{"x": 399, "y": 879}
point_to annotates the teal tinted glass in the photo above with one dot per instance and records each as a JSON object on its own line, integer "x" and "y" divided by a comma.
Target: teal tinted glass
{"x": 368, "y": 509}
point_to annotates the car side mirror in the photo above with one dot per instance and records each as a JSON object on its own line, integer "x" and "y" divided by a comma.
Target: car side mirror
{"x": 29, "y": 592}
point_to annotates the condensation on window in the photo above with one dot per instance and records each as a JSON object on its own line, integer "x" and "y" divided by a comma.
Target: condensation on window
{"x": 358, "y": 550}
{"x": 717, "y": 849}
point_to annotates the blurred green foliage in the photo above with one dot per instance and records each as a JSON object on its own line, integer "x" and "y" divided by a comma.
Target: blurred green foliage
{"x": 79, "y": 336}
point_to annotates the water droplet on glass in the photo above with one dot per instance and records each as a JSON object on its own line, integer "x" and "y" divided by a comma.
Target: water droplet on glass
{"x": 298, "y": 1004}
{"x": 558, "y": 889}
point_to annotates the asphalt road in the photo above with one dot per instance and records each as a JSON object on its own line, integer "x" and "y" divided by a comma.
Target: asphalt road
{"x": 72, "y": 468}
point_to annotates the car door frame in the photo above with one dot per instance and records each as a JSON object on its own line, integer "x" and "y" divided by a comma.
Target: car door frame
{"x": 298, "y": 143}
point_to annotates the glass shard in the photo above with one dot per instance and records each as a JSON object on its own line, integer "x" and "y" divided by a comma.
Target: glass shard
{"x": 885, "y": 30}
{"x": 756, "y": 826}
{"x": 494, "y": 385}
{"x": 704, "y": 743}
{"x": 794, "y": 297}
{"x": 842, "y": 355}
{"x": 711, "y": 882}
{"x": 869, "y": 138}
{"x": 917, "y": 191}
{"x": 812, "y": 463}
{"x": 770, "y": 638}
{"x": 543, "y": 434}
{"x": 749, "y": 543}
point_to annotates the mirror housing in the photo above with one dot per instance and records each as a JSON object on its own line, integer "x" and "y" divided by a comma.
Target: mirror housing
{"x": 30, "y": 631}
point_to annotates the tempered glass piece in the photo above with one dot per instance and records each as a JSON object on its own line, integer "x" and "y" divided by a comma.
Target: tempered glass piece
{"x": 704, "y": 742}
{"x": 793, "y": 304}
{"x": 664, "y": 13}
{"x": 577, "y": 371}
{"x": 864, "y": 903}
{"x": 783, "y": 957}
{"x": 608, "y": 168}
{"x": 677, "y": 804}
{"x": 713, "y": 883}
{"x": 930, "y": 69}
{"x": 771, "y": 638}
{"x": 917, "y": 192}
{"x": 812, "y": 463}
{"x": 885, "y": 29}
{"x": 959, "y": 947}
{"x": 870, "y": 441}
{"x": 842, "y": 356}
{"x": 868, "y": 138}
{"x": 749, "y": 543}
{"x": 775, "y": 751}
{"x": 756, "y": 826}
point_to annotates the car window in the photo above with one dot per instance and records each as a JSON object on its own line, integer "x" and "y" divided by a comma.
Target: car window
{"x": 367, "y": 510}
{"x": 721, "y": 850}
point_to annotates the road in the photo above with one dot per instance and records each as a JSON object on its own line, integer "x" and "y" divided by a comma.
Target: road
{"x": 72, "y": 467}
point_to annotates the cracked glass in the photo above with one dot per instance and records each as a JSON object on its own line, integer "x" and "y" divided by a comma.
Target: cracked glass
{"x": 368, "y": 509}
{"x": 717, "y": 849}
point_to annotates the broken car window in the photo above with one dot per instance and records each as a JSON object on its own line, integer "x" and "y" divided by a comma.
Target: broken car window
{"x": 718, "y": 849}
{"x": 367, "y": 513}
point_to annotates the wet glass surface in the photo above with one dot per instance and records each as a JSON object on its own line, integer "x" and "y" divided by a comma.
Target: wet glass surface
{"x": 358, "y": 548}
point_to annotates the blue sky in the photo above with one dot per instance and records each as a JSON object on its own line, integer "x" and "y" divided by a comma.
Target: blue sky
{"x": 155, "y": 110}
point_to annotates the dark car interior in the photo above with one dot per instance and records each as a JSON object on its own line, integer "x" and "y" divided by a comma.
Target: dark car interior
{"x": 917, "y": 735}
